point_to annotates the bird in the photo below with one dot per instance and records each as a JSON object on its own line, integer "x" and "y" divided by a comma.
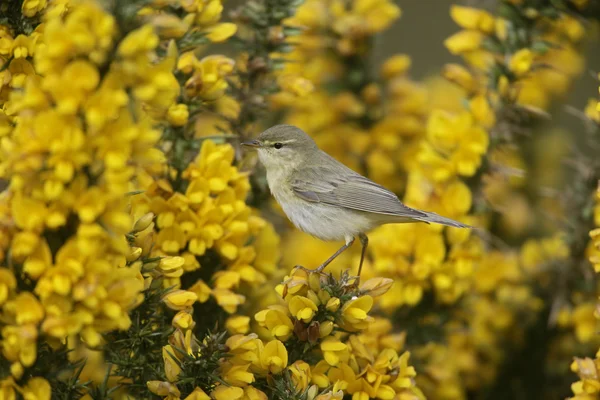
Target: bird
{"x": 326, "y": 199}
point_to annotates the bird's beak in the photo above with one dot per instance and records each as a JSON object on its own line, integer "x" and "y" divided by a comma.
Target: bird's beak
{"x": 251, "y": 143}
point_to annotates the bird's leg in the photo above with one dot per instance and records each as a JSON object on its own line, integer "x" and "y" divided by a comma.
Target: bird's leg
{"x": 364, "y": 241}
{"x": 330, "y": 259}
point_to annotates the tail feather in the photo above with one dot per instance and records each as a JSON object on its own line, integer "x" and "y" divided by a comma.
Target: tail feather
{"x": 438, "y": 219}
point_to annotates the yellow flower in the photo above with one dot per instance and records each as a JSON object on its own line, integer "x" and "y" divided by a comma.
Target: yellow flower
{"x": 19, "y": 344}
{"x": 208, "y": 80}
{"x": 164, "y": 389}
{"x": 296, "y": 85}
{"x": 180, "y": 299}
{"x": 472, "y": 18}
{"x": 252, "y": 393}
{"x": 520, "y": 62}
{"x": 8, "y": 388}
{"x": 459, "y": 135}
{"x": 334, "y": 351}
{"x": 302, "y": 308}
{"x": 223, "y": 392}
{"x": 355, "y": 313}
{"x": 482, "y": 111}
{"x": 75, "y": 36}
{"x": 238, "y": 324}
{"x": 464, "y": 41}
{"x": 300, "y": 373}
{"x": 395, "y": 65}
{"x": 585, "y": 323}
{"x": 376, "y": 286}
{"x": 37, "y": 388}
{"x": 244, "y": 347}
{"x": 202, "y": 290}
{"x": 197, "y": 394}
{"x": 587, "y": 369}
{"x": 276, "y": 320}
{"x": 23, "y": 46}
{"x": 138, "y": 41}
{"x": 274, "y": 357}
{"x": 237, "y": 375}
{"x": 221, "y": 32}
{"x": 333, "y": 304}
{"x": 461, "y": 76}
{"x": 172, "y": 366}
{"x": 228, "y": 299}
{"x": 26, "y": 308}
{"x": 30, "y": 8}
{"x": 331, "y": 395}
{"x": 178, "y": 114}
{"x": 319, "y": 374}
{"x": 183, "y": 320}
{"x": 373, "y": 16}
{"x": 171, "y": 267}
{"x": 7, "y": 284}
{"x": 344, "y": 378}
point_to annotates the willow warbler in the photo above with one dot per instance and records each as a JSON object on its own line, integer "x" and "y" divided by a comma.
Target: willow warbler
{"x": 323, "y": 197}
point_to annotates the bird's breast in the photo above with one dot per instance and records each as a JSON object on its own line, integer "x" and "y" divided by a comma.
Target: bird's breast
{"x": 320, "y": 220}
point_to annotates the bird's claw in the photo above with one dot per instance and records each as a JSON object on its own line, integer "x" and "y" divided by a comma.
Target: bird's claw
{"x": 310, "y": 271}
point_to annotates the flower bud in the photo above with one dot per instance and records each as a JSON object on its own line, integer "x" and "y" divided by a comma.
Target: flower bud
{"x": 333, "y": 304}
{"x": 134, "y": 254}
{"x": 376, "y": 286}
{"x": 314, "y": 282}
{"x": 325, "y": 329}
{"x": 178, "y": 114}
{"x": 395, "y": 65}
{"x": 144, "y": 222}
{"x": 183, "y": 320}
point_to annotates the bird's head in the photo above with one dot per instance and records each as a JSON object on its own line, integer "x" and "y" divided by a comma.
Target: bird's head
{"x": 283, "y": 146}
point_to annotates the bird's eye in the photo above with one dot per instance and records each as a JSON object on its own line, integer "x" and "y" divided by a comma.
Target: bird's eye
{"x": 278, "y": 145}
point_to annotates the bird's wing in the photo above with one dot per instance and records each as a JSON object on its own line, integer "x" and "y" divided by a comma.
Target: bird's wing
{"x": 349, "y": 190}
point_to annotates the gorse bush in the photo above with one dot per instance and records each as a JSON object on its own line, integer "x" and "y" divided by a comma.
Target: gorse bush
{"x": 142, "y": 257}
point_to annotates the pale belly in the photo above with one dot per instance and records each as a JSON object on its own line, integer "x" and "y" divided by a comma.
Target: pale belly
{"x": 323, "y": 221}
{"x": 327, "y": 222}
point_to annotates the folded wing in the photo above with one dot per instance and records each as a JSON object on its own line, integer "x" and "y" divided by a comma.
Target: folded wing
{"x": 350, "y": 190}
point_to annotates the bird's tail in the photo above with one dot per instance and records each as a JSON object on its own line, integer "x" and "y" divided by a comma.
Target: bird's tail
{"x": 438, "y": 219}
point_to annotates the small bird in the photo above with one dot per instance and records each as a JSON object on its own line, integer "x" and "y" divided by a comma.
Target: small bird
{"x": 326, "y": 199}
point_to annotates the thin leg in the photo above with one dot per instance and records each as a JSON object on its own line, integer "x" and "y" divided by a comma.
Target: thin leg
{"x": 364, "y": 241}
{"x": 330, "y": 259}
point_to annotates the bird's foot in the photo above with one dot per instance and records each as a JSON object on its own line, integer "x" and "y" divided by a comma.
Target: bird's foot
{"x": 318, "y": 270}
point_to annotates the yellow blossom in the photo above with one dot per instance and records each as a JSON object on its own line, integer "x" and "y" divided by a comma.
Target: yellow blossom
{"x": 274, "y": 357}
{"x": 37, "y": 388}
{"x": 395, "y": 65}
{"x": 172, "y": 367}
{"x": 180, "y": 299}
{"x": 302, "y": 308}
{"x": 197, "y": 394}
{"x": 238, "y": 324}
{"x": 464, "y": 41}
{"x": 376, "y": 286}
{"x": 334, "y": 351}
{"x": 183, "y": 321}
{"x": 301, "y": 376}
{"x": 237, "y": 375}
{"x": 521, "y": 62}
{"x": 276, "y": 320}
{"x": 472, "y": 18}
{"x": 223, "y": 392}
{"x": 31, "y": 7}
{"x": 354, "y": 313}
{"x": 178, "y": 114}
